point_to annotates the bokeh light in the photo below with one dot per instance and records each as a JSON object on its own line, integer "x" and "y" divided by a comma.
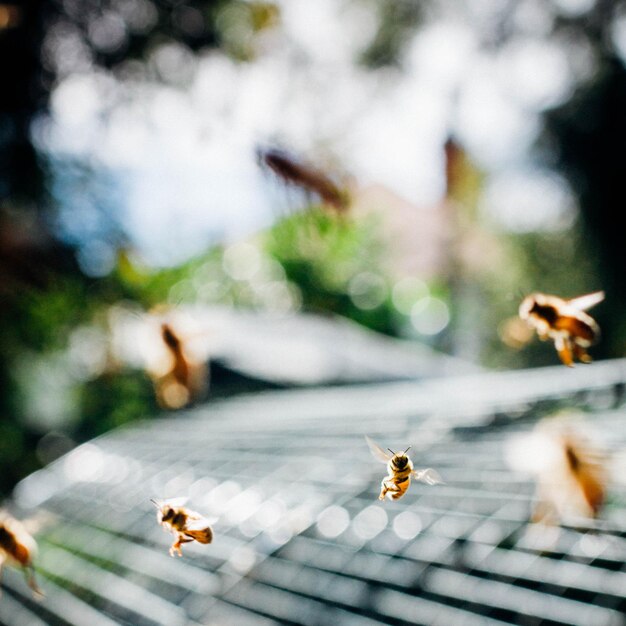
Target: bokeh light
{"x": 430, "y": 315}
{"x": 333, "y": 521}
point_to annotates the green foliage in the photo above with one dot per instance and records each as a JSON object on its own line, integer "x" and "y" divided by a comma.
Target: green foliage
{"x": 114, "y": 399}
{"x": 238, "y": 23}
{"x": 324, "y": 255}
{"x": 397, "y": 21}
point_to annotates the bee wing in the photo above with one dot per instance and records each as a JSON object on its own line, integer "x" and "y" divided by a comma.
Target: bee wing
{"x": 41, "y": 519}
{"x": 428, "y": 476}
{"x": 195, "y": 517}
{"x": 174, "y": 502}
{"x": 582, "y": 303}
{"x": 377, "y": 452}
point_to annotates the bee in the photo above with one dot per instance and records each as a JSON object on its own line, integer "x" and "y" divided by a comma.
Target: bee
{"x": 180, "y": 370}
{"x": 184, "y": 380}
{"x": 573, "y": 478}
{"x": 17, "y": 547}
{"x": 400, "y": 471}
{"x": 295, "y": 172}
{"x": 184, "y": 524}
{"x": 565, "y": 322}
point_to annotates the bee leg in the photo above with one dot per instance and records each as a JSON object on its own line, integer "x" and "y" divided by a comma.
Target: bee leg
{"x": 544, "y": 513}
{"x": 539, "y": 513}
{"x": 395, "y": 491}
{"x": 543, "y": 333}
{"x": 564, "y": 348}
{"x": 581, "y": 354}
{"x": 384, "y": 488}
{"x": 175, "y": 549}
{"x": 176, "y": 546}
{"x": 29, "y": 573}
{"x": 542, "y": 328}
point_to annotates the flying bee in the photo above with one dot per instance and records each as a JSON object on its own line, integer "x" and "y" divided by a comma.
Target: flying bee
{"x": 571, "y": 470}
{"x": 400, "y": 471}
{"x": 17, "y": 547}
{"x": 565, "y": 322}
{"x": 574, "y": 484}
{"x": 295, "y": 172}
{"x": 180, "y": 369}
{"x": 184, "y": 380}
{"x": 184, "y": 524}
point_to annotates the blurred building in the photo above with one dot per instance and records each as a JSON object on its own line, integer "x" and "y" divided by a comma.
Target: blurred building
{"x": 285, "y": 350}
{"x": 300, "y": 538}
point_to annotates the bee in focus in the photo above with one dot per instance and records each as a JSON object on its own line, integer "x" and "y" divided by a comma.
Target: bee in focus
{"x": 400, "y": 471}
{"x": 295, "y": 172}
{"x": 184, "y": 524}
{"x": 565, "y": 322}
{"x": 18, "y": 548}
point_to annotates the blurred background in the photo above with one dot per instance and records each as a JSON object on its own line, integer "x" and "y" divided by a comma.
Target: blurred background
{"x": 459, "y": 156}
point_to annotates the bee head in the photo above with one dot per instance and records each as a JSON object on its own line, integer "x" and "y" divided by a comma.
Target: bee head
{"x": 400, "y": 459}
{"x": 167, "y": 513}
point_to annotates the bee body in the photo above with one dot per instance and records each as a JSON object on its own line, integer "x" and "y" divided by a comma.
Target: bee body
{"x": 296, "y": 172}
{"x": 180, "y": 369}
{"x": 18, "y": 548}
{"x": 565, "y": 322}
{"x": 400, "y": 470}
{"x": 572, "y": 482}
{"x": 184, "y": 524}
{"x": 181, "y": 380}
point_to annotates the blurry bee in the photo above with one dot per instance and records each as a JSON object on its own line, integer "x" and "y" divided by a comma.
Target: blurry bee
{"x": 295, "y": 172}
{"x": 565, "y": 322}
{"x": 400, "y": 470}
{"x": 184, "y": 381}
{"x": 184, "y": 524}
{"x": 576, "y": 486}
{"x": 17, "y": 547}
{"x": 180, "y": 370}
{"x": 571, "y": 472}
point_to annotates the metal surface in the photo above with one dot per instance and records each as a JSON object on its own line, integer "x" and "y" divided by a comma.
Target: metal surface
{"x": 300, "y": 537}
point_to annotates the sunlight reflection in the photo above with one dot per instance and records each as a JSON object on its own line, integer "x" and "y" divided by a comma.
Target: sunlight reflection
{"x": 407, "y": 525}
{"x": 370, "y": 522}
{"x": 242, "y": 559}
{"x": 85, "y": 464}
{"x": 243, "y": 505}
{"x": 270, "y": 513}
{"x": 334, "y": 520}
{"x": 430, "y": 316}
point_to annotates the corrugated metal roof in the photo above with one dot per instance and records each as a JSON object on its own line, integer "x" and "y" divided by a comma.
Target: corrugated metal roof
{"x": 300, "y": 537}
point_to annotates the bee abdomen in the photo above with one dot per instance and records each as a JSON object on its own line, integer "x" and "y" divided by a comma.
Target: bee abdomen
{"x": 578, "y": 329}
